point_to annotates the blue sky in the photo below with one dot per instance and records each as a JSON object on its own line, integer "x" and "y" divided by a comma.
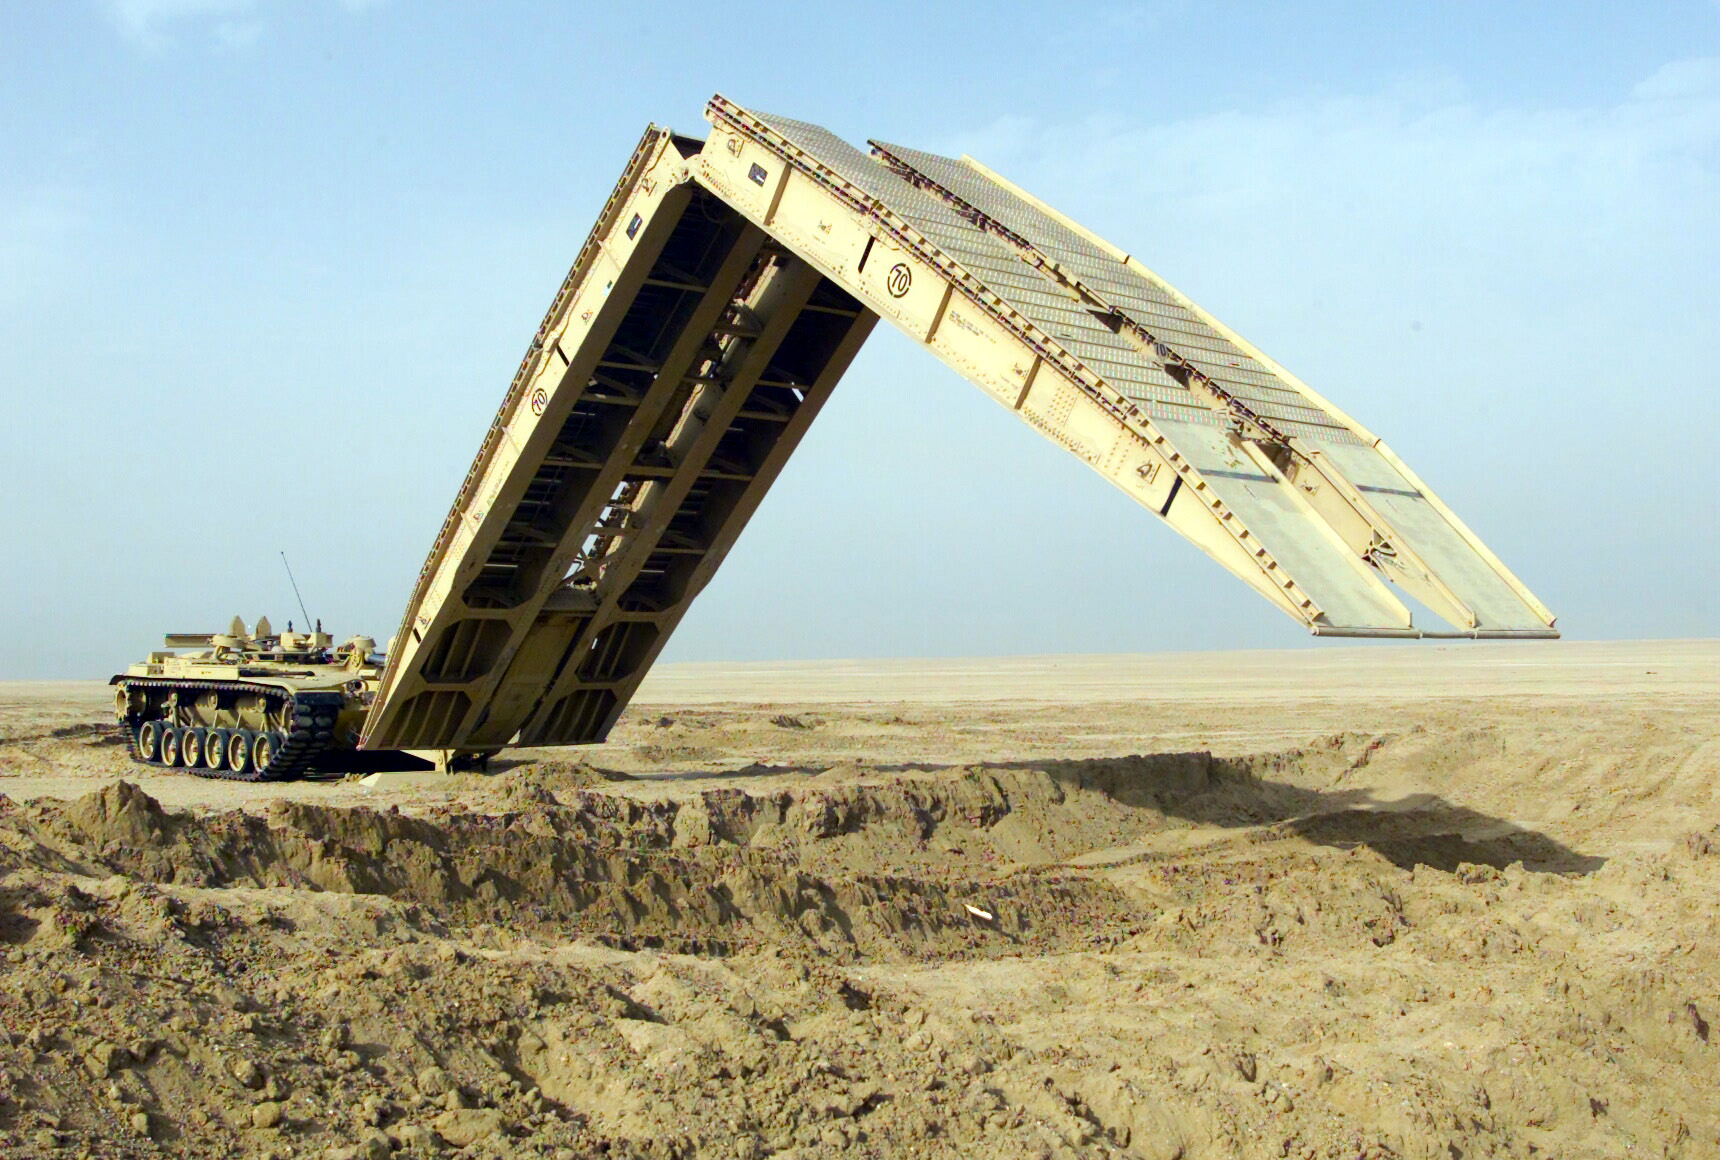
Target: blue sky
{"x": 266, "y": 269}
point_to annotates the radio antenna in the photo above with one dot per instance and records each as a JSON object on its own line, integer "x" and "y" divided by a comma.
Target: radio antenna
{"x": 295, "y": 585}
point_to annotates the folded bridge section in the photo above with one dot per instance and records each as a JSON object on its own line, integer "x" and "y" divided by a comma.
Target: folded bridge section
{"x": 723, "y": 292}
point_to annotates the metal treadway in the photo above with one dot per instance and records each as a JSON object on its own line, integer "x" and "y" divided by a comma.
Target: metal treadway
{"x": 721, "y": 295}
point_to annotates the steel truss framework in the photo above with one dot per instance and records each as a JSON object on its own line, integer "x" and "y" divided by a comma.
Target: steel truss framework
{"x": 723, "y": 292}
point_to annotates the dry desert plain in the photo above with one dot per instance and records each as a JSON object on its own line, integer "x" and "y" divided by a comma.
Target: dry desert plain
{"x": 1413, "y": 901}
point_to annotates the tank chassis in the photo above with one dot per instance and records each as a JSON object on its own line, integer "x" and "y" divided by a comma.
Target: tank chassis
{"x": 250, "y": 706}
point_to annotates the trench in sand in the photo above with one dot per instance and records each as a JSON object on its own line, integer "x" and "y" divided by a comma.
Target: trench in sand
{"x": 859, "y": 863}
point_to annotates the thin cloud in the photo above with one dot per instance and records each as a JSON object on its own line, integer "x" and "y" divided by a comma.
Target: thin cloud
{"x": 1681, "y": 79}
{"x": 146, "y": 22}
{"x": 231, "y": 24}
{"x": 236, "y": 35}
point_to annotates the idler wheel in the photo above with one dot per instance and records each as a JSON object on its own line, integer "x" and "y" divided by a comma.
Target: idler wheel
{"x": 215, "y": 748}
{"x": 239, "y": 750}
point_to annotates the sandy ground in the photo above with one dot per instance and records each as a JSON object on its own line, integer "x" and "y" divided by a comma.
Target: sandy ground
{"x": 1404, "y": 901}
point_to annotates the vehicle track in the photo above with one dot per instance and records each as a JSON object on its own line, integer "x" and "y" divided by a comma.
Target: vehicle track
{"x": 311, "y": 733}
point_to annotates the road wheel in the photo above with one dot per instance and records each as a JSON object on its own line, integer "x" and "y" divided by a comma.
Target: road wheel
{"x": 263, "y": 751}
{"x": 149, "y": 741}
{"x": 191, "y": 746}
{"x": 170, "y": 742}
{"x": 239, "y": 750}
{"x": 215, "y": 748}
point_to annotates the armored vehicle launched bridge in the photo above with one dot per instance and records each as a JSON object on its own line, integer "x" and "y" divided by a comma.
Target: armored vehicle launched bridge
{"x": 723, "y": 292}
{"x": 726, "y": 287}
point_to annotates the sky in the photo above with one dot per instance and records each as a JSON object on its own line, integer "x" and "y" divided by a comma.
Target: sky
{"x": 267, "y": 268}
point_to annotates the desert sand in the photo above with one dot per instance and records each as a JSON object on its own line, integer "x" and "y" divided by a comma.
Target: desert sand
{"x": 1412, "y": 901}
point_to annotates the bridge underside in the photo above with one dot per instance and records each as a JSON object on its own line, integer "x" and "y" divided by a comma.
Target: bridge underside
{"x": 723, "y": 292}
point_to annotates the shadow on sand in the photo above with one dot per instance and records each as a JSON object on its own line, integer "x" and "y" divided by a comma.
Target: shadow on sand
{"x": 1423, "y": 829}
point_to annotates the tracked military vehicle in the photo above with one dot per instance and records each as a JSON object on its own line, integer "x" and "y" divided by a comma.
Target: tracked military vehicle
{"x": 251, "y": 705}
{"x": 726, "y": 287}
